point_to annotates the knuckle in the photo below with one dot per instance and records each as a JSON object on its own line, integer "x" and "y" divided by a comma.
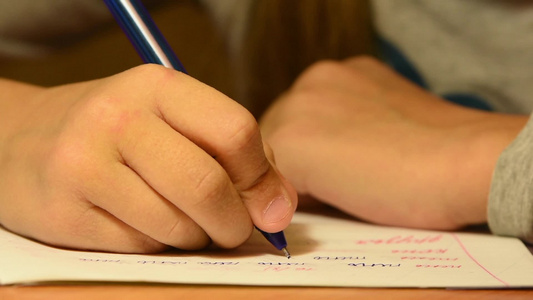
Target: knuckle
{"x": 302, "y": 98}
{"x": 242, "y": 131}
{"x": 329, "y": 71}
{"x": 261, "y": 174}
{"x": 368, "y": 68}
{"x": 146, "y": 244}
{"x": 321, "y": 70}
{"x": 187, "y": 235}
{"x": 237, "y": 238}
{"x": 149, "y": 73}
{"x": 148, "y": 77}
{"x": 211, "y": 184}
{"x": 325, "y": 66}
{"x": 108, "y": 113}
{"x": 363, "y": 60}
{"x": 102, "y": 119}
{"x": 308, "y": 99}
{"x": 147, "y": 81}
{"x": 316, "y": 81}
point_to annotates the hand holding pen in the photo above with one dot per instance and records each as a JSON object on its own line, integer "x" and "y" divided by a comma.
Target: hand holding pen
{"x": 153, "y": 48}
{"x": 134, "y": 163}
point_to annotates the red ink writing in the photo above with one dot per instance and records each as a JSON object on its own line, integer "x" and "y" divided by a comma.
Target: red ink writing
{"x": 399, "y": 239}
{"x": 439, "y": 266}
{"x": 429, "y": 258}
{"x": 420, "y": 251}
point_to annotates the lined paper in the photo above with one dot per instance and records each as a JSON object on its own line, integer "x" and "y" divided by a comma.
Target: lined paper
{"x": 326, "y": 251}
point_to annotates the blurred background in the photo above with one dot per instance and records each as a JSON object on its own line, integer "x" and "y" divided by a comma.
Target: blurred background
{"x": 187, "y": 26}
{"x": 281, "y": 39}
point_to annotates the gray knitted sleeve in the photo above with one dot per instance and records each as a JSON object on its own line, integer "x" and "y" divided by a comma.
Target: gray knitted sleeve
{"x": 510, "y": 208}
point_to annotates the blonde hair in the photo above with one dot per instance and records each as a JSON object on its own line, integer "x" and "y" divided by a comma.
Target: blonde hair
{"x": 286, "y": 36}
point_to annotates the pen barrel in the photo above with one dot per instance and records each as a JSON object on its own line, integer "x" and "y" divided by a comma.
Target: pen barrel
{"x": 277, "y": 239}
{"x": 141, "y": 30}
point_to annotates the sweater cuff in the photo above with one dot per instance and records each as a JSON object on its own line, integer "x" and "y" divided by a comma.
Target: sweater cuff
{"x": 510, "y": 205}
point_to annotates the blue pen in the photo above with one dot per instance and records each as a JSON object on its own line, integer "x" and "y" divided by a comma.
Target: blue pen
{"x": 136, "y": 22}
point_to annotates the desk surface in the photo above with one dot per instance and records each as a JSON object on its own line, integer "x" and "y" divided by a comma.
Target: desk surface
{"x": 191, "y": 292}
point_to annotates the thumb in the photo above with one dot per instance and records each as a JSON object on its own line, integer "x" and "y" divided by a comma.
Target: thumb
{"x": 272, "y": 200}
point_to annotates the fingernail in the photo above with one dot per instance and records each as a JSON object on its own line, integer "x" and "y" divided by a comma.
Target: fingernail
{"x": 277, "y": 210}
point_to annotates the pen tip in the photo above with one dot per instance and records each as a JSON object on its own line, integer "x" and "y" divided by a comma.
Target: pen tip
{"x": 286, "y": 252}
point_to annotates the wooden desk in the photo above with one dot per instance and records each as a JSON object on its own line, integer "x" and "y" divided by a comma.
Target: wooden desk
{"x": 190, "y": 292}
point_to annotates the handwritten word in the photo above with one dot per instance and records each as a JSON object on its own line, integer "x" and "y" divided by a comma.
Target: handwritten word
{"x": 429, "y": 258}
{"x": 221, "y": 263}
{"x": 439, "y": 266}
{"x": 399, "y": 239}
{"x": 100, "y": 260}
{"x": 339, "y": 257}
{"x": 280, "y": 264}
{"x": 161, "y": 262}
{"x": 373, "y": 265}
{"x": 421, "y": 251}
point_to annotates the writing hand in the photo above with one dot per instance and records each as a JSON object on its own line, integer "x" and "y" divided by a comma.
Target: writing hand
{"x": 136, "y": 162}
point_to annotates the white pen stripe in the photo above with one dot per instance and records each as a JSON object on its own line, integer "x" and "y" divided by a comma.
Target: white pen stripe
{"x": 146, "y": 33}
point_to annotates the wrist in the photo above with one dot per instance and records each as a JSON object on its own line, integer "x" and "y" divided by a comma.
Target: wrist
{"x": 478, "y": 145}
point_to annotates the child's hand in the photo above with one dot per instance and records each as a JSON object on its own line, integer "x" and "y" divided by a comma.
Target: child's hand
{"x": 135, "y": 162}
{"x": 358, "y": 136}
